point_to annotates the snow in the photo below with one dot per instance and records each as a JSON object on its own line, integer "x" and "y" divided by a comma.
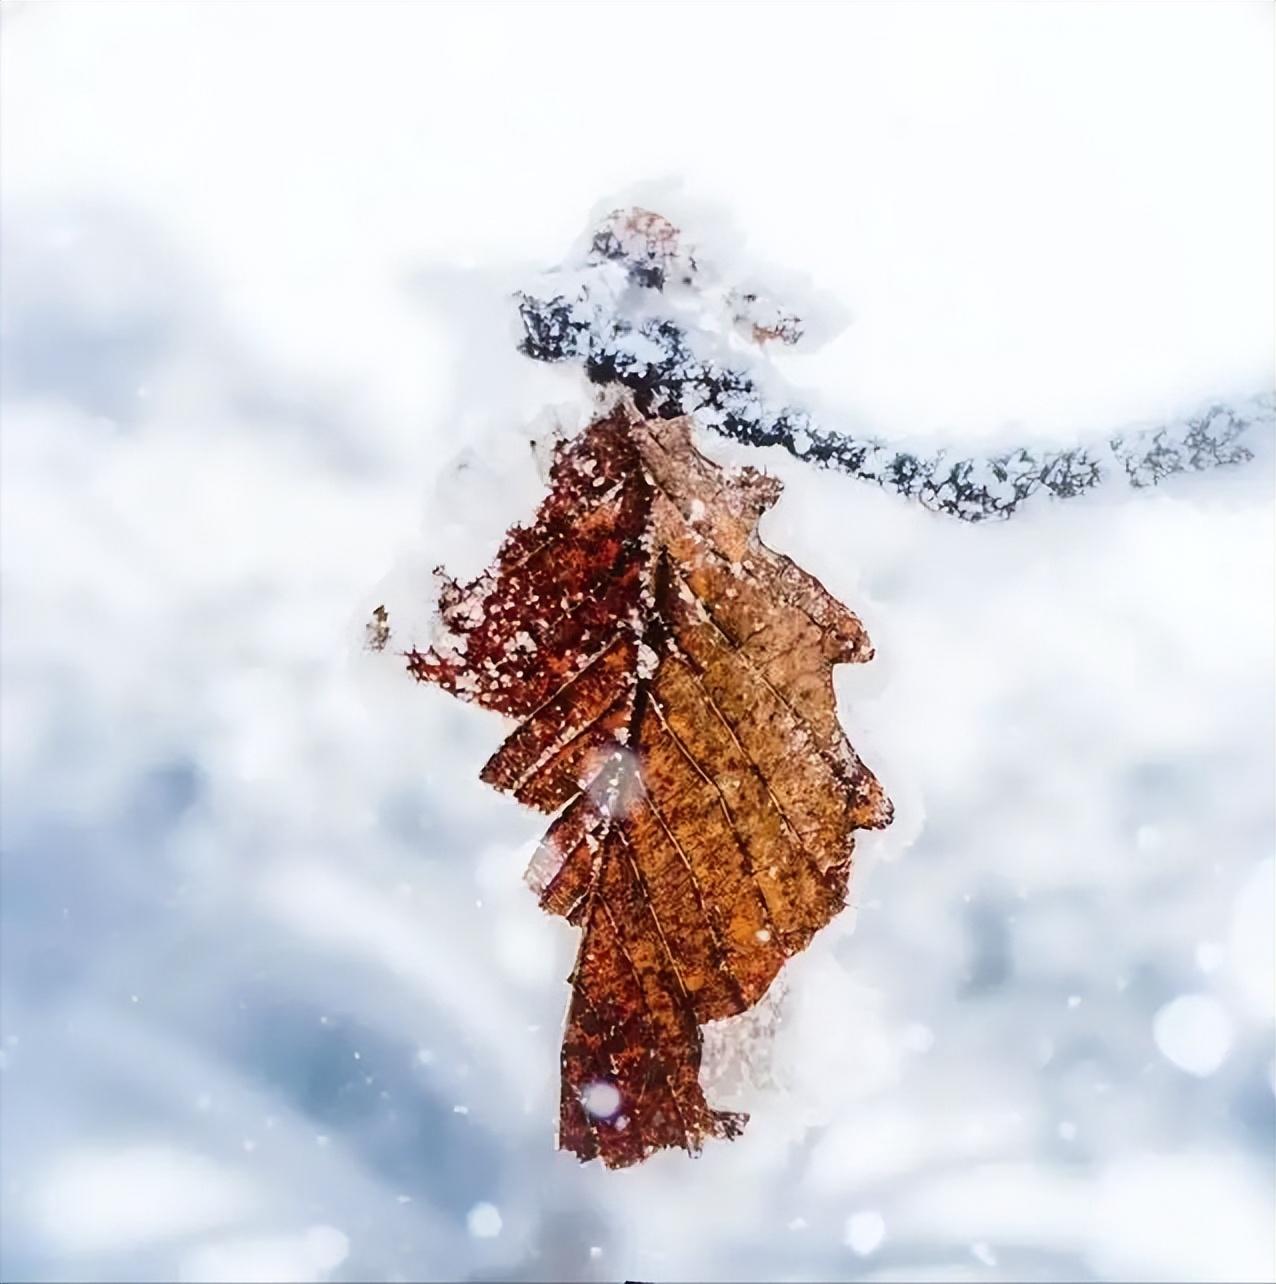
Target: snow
{"x": 99, "y": 1199}
{"x": 983, "y": 1253}
{"x": 1249, "y": 948}
{"x": 1194, "y": 1033}
{"x": 216, "y": 801}
{"x": 865, "y": 1232}
{"x": 304, "y": 1258}
{"x": 484, "y": 1221}
{"x": 918, "y": 1037}
{"x": 601, "y": 1099}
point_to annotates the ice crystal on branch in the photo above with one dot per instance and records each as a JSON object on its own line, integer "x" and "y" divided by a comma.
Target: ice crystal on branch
{"x": 643, "y": 310}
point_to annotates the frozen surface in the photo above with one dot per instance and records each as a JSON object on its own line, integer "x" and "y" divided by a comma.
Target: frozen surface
{"x": 276, "y": 1003}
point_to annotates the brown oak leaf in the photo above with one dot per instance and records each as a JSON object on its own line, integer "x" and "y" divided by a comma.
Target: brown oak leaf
{"x": 671, "y": 677}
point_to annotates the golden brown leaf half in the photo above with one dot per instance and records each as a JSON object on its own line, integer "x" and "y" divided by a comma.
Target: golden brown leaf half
{"x": 672, "y": 681}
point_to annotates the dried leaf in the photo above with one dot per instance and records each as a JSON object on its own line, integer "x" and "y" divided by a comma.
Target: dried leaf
{"x": 671, "y": 679}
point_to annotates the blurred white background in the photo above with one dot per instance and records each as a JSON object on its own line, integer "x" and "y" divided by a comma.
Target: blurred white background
{"x": 275, "y": 1001}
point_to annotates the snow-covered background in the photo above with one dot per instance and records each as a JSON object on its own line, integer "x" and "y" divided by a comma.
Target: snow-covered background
{"x": 276, "y": 1003}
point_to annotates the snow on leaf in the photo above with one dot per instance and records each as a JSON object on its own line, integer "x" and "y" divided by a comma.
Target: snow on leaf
{"x": 671, "y": 679}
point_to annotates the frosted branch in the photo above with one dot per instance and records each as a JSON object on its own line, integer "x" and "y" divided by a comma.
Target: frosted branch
{"x": 639, "y": 308}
